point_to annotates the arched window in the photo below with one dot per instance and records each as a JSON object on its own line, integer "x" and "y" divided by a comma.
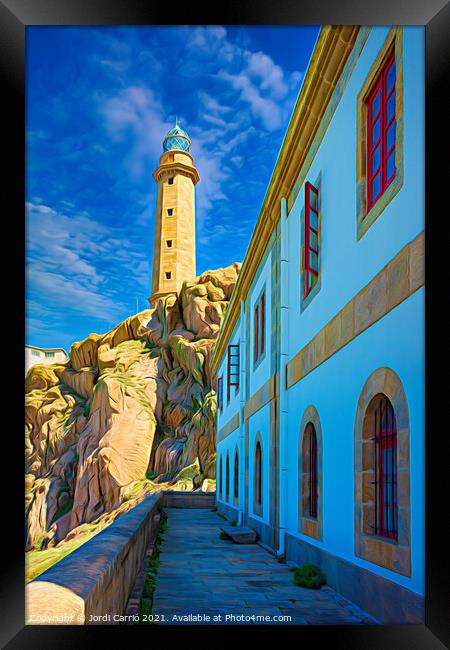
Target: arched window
{"x": 236, "y": 477}
{"x": 227, "y": 479}
{"x": 382, "y": 473}
{"x": 220, "y": 479}
{"x": 310, "y": 510}
{"x": 258, "y": 479}
{"x": 310, "y": 472}
{"x": 381, "y": 435}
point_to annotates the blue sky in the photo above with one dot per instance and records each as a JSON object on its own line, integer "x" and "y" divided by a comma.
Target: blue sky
{"x": 99, "y": 102}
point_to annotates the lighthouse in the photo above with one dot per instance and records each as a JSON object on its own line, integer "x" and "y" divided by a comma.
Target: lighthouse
{"x": 174, "y": 244}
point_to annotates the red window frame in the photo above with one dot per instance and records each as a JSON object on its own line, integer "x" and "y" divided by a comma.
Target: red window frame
{"x": 311, "y": 220}
{"x": 378, "y": 126}
{"x": 259, "y": 327}
{"x": 233, "y": 369}
{"x": 256, "y": 333}
{"x": 385, "y": 448}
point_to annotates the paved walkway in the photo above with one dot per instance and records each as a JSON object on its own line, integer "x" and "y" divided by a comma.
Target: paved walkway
{"x": 201, "y": 574}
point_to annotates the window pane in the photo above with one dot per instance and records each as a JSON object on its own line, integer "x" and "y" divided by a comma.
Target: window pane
{"x": 390, "y": 166}
{"x": 390, "y": 109}
{"x": 375, "y": 105}
{"x": 313, "y": 199}
{"x": 375, "y": 159}
{"x": 390, "y": 138}
{"x": 313, "y": 241}
{"x": 313, "y": 220}
{"x": 375, "y": 132}
{"x": 390, "y": 79}
{"x": 313, "y": 261}
{"x": 376, "y": 186}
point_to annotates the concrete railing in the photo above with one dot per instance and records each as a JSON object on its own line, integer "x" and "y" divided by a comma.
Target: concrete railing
{"x": 93, "y": 583}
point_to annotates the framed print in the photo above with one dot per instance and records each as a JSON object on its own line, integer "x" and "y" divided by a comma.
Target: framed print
{"x": 232, "y": 407}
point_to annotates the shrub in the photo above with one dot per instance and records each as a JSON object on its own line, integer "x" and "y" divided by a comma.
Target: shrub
{"x": 309, "y": 576}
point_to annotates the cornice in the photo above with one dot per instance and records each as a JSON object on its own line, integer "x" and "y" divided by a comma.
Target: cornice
{"x": 180, "y": 167}
{"x": 330, "y": 55}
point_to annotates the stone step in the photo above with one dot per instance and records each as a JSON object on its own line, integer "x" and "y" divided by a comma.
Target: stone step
{"x": 240, "y": 534}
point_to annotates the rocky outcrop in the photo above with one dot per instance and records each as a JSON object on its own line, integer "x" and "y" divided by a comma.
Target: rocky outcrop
{"x": 130, "y": 411}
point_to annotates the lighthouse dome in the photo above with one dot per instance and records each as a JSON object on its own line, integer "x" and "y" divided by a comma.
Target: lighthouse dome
{"x": 177, "y": 139}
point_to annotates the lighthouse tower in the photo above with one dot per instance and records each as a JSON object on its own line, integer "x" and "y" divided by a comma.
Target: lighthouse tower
{"x": 174, "y": 247}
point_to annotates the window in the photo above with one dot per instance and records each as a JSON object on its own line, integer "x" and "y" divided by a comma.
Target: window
{"x": 381, "y": 132}
{"x": 49, "y": 355}
{"x": 310, "y": 511}
{"x": 311, "y": 238}
{"x": 169, "y": 243}
{"x": 170, "y": 180}
{"x": 310, "y": 473}
{"x": 168, "y": 275}
{"x": 220, "y": 479}
{"x": 169, "y": 212}
{"x": 258, "y": 479}
{"x": 385, "y": 463}
{"x": 259, "y": 325}
{"x": 233, "y": 369}
{"x": 220, "y": 394}
{"x": 236, "y": 477}
{"x": 382, "y": 473}
{"x": 227, "y": 479}
{"x": 35, "y": 353}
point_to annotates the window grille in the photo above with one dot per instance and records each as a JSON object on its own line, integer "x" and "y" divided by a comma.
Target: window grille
{"x": 385, "y": 463}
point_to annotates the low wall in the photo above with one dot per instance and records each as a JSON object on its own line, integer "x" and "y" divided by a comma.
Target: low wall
{"x": 189, "y": 499}
{"x": 93, "y": 583}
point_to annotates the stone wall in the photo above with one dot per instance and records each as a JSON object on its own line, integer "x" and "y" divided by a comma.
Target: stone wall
{"x": 93, "y": 583}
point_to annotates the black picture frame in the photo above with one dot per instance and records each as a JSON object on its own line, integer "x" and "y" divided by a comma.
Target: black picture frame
{"x": 15, "y": 16}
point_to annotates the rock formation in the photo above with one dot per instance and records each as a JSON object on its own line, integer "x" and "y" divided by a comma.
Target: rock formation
{"x": 128, "y": 412}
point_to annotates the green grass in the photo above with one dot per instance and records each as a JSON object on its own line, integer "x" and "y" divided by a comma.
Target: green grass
{"x": 151, "y": 572}
{"x": 309, "y": 576}
{"x": 37, "y": 561}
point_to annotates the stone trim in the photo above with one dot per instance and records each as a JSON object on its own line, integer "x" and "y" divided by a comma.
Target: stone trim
{"x": 365, "y": 219}
{"x": 229, "y": 427}
{"x": 322, "y": 89}
{"x": 259, "y": 399}
{"x": 306, "y": 525}
{"x": 396, "y": 281}
{"x": 388, "y": 601}
{"x": 395, "y": 556}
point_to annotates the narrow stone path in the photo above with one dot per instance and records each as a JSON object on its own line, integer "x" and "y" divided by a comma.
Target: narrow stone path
{"x": 202, "y": 575}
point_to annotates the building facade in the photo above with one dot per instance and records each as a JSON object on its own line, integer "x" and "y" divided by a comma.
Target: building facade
{"x": 320, "y": 359}
{"x": 174, "y": 242}
{"x": 46, "y": 356}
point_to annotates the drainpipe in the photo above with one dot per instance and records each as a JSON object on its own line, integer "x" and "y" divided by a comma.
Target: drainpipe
{"x": 241, "y": 445}
{"x": 284, "y": 357}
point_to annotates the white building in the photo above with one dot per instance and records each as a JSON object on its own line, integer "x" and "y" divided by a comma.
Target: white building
{"x": 320, "y": 359}
{"x": 47, "y": 356}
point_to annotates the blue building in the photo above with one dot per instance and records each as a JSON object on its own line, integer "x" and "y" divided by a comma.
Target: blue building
{"x": 320, "y": 359}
